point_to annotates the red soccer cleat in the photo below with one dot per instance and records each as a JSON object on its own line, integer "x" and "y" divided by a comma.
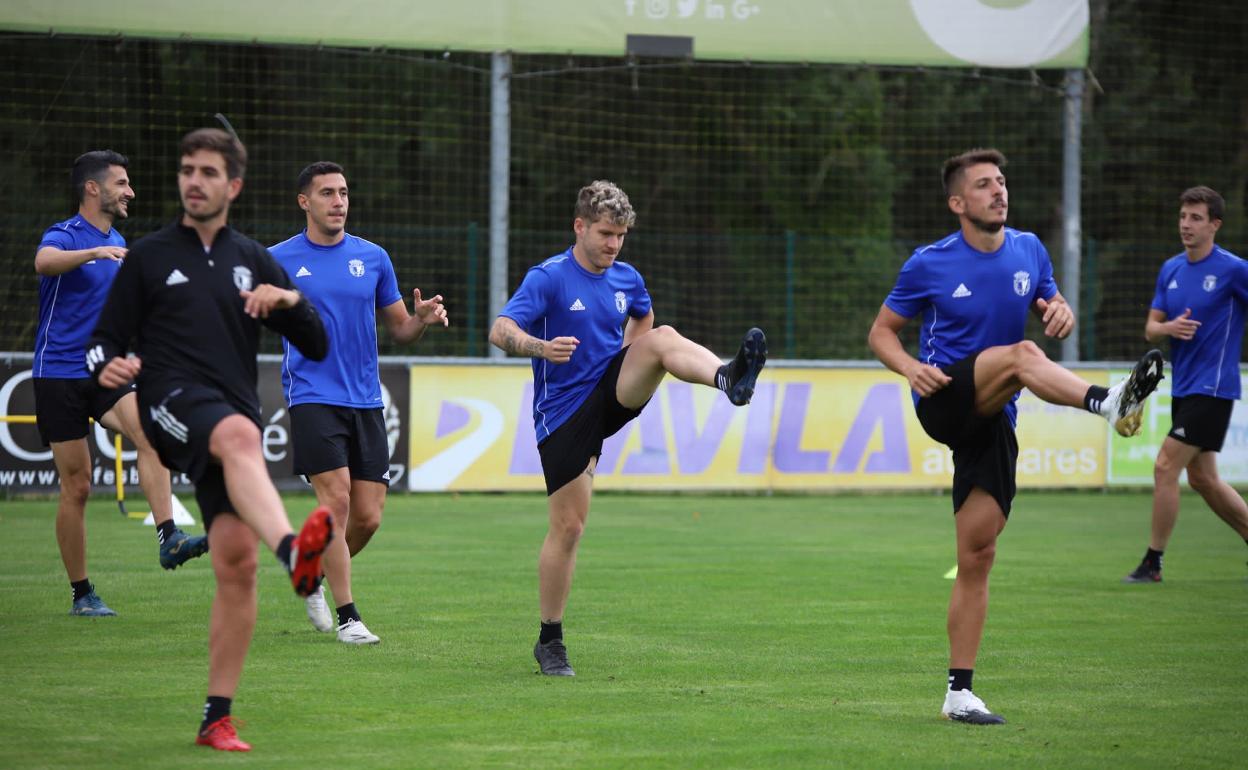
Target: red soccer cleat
{"x": 305, "y": 554}
{"x": 222, "y": 736}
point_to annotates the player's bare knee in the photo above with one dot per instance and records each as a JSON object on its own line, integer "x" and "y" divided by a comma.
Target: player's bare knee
{"x": 977, "y": 559}
{"x": 234, "y": 437}
{"x": 75, "y": 489}
{"x": 1166, "y": 471}
{"x": 567, "y": 532}
{"x": 236, "y": 568}
{"x": 661, "y": 338}
{"x": 1202, "y": 481}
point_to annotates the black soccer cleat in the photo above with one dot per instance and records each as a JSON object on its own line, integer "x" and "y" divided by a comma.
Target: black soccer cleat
{"x": 553, "y": 658}
{"x": 742, "y": 372}
{"x": 1126, "y": 399}
{"x": 1145, "y": 573}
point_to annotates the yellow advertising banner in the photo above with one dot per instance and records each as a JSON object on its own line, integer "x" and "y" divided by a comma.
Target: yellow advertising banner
{"x": 806, "y": 429}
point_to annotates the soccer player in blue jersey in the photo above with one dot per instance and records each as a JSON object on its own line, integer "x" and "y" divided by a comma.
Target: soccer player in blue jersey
{"x": 339, "y": 433}
{"x": 973, "y": 290}
{"x": 585, "y": 319}
{"x": 76, "y": 261}
{"x": 1199, "y": 305}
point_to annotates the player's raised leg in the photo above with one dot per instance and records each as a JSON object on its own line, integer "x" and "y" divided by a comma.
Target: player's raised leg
{"x": 663, "y": 350}
{"x": 235, "y": 443}
{"x": 1002, "y": 371}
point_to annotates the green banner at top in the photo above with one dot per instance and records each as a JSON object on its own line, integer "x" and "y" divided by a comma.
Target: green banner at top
{"x": 953, "y": 33}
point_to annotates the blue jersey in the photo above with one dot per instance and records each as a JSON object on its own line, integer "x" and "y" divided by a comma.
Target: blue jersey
{"x": 559, "y": 298}
{"x": 1216, "y": 290}
{"x": 70, "y": 303}
{"x": 346, "y": 282}
{"x": 970, "y": 300}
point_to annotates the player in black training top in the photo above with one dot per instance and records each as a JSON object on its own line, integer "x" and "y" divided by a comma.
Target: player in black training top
{"x": 192, "y": 297}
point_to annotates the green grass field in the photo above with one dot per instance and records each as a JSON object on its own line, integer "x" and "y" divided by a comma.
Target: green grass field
{"x": 712, "y": 632}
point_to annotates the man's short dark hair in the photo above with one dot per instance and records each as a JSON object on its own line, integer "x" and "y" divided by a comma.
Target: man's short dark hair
{"x": 317, "y": 169}
{"x": 218, "y": 141}
{"x": 94, "y": 166}
{"x": 954, "y": 169}
{"x": 1207, "y": 196}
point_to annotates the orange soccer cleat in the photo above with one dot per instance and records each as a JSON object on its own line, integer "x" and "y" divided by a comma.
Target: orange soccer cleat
{"x": 222, "y": 736}
{"x": 305, "y": 554}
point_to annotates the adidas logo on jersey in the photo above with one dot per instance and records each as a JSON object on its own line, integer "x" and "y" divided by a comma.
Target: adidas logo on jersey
{"x": 303, "y": 272}
{"x": 176, "y": 277}
{"x": 961, "y": 291}
{"x": 577, "y": 305}
{"x": 1180, "y": 432}
{"x": 1173, "y": 284}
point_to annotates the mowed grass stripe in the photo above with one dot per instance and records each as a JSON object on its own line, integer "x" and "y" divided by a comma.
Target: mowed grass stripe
{"x": 706, "y": 632}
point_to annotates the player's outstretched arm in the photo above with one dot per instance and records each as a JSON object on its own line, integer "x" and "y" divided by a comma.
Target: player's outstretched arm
{"x": 885, "y": 341}
{"x": 51, "y": 261}
{"x": 406, "y": 329}
{"x": 505, "y": 334}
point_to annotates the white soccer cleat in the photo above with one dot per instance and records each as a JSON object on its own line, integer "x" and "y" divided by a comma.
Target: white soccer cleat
{"x": 318, "y": 611}
{"x": 355, "y": 632}
{"x": 1125, "y": 402}
{"x": 964, "y": 706}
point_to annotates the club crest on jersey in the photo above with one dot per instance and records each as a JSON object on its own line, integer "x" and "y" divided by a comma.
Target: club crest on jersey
{"x": 1211, "y": 282}
{"x": 242, "y": 278}
{"x": 621, "y": 302}
{"x": 1022, "y": 283}
{"x": 356, "y": 267}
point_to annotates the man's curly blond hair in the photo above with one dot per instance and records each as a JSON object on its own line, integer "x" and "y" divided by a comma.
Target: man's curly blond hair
{"x": 601, "y": 199}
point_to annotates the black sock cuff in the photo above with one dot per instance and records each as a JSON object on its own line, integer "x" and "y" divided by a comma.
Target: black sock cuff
{"x": 283, "y": 550}
{"x": 550, "y": 632}
{"x": 1095, "y": 396}
{"x": 165, "y": 530}
{"x": 347, "y": 613}
{"x": 215, "y": 707}
{"x": 81, "y": 588}
{"x": 960, "y": 678}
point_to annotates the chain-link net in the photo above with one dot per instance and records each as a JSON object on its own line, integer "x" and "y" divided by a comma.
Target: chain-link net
{"x": 780, "y": 195}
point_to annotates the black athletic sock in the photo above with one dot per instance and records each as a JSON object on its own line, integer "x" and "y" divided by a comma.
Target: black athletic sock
{"x": 1153, "y": 558}
{"x": 214, "y": 708}
{"x": 347, "y": 613}
{"x": 81, "y": 588}
{"x": 165, "y": 530}
{"x": 550, "y": 632}
{"x": 960, "y": 678}
{"x": 283, "y": 551}
{"x": 1095, "y": 396}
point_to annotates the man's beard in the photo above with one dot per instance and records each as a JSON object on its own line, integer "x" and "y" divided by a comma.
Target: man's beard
{"x": 991, "y": 228}
{"x": 112, "y": 208}
{"x": 205, "y": 217}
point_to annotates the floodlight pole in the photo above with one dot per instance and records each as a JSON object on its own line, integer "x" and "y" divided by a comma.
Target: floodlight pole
{"x": 1072, "y": 184}
{"x": 500, "y": 183}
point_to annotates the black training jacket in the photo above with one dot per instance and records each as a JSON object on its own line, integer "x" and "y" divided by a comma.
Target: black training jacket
{"x": 181, "y": 308}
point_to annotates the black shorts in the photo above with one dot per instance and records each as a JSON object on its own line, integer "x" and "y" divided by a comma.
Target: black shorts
{"x": 63, "y": 408}
{"x": 1200, "y": 421}
{"x": 179, "y": 424}
{"x": 325, "y": 438}
{"x": 985, "y": 449}
{"x": 567, "y": 452}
